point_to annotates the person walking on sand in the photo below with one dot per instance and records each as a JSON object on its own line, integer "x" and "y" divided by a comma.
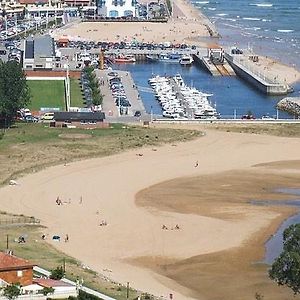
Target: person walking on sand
{"x": 80, "y": 201}
{"x": 196, "y": 164}
{"x": 67, "y": 238}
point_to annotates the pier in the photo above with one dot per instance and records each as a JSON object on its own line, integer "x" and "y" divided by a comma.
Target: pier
{"x": 214, "y": 62}
{"x": 246, "y": 70}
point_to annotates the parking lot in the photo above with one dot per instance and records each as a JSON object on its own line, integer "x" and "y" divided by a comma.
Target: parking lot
{"x": 121, "y": 97}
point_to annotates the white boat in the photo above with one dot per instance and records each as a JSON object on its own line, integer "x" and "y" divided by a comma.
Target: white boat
{"x": 186, "y": 60}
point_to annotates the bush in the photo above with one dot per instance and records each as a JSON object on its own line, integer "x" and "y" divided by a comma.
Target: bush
{"x": 57, "y": 273}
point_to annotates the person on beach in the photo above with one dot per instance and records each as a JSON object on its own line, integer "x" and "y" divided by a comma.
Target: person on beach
{"x": 58, "y": 201}
{"x": 80, "y": 201}
{"x": 66, "y": 238}
{"x": 196, "y": 164}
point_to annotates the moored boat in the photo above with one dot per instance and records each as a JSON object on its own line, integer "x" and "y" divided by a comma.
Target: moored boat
{"x": 125, "y": 59}
{"x": 186, "y": 60}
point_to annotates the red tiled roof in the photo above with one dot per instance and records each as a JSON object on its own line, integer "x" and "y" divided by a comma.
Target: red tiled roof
{"x": 63, "y": 40}
{"x": 77, "y": 1}
{"x": 47, "y": 282}
{"x": 10, "y": 262}
{"x": 33, "y": 1}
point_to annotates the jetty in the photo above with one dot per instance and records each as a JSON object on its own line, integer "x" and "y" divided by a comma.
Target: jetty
{"x": 244, "y": 68}
{"x": 214, "y": 61}
{"x": 290, "y": 105}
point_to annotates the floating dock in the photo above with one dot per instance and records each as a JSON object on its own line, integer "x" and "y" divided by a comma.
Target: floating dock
{"x": 258, "y": 80}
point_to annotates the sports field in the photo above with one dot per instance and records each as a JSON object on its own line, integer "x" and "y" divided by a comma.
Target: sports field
{"x": 46, "y": 93}
{"x": 76, "y": 96}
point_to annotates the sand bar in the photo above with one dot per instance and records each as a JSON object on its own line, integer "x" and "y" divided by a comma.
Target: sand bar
{"x": 108, "y": 187}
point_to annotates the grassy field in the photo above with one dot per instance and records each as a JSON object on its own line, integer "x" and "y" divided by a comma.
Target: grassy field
{"x": 30, "y": 147}
{"x": 287, "y": 130}
{"x": 76, "y": 96}
{"x": 46, "y": 93}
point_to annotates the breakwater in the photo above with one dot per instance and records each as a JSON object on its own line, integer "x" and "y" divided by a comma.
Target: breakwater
{"x": 259, "y": 80}
{"x": 290, "y": 105}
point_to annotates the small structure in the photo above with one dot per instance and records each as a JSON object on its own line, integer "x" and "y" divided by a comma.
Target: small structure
{"x": 80, "y": 119}
{"x": 63, "y": 42}
{"x": 15, "y": 270}
{"x": 39, "y": 53}
{"x": 61, "y": 288}
{"x": 216, "y": 55}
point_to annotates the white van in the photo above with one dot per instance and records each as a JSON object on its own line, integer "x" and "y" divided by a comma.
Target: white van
{"x": 48, "y": 116}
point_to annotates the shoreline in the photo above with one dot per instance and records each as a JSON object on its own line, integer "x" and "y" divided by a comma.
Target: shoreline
{"x": 111, "y": 246}
{"x": 256, "y": 241}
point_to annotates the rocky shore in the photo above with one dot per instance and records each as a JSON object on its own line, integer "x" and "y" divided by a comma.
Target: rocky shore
{"x": 290, "y": 105}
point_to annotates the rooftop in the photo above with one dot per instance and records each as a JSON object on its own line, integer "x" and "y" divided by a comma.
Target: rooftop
{"x": 47, "y": 282}
{"x": 33, "y": 1}
{"x": 11, "y": 262}
{"x": 44, "y": 46}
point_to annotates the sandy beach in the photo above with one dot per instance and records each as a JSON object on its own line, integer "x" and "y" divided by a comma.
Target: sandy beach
{"x": 187, "y": 25}
{"x": 133, "y": 245}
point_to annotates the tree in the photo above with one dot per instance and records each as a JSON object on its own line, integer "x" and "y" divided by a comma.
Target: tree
{"x": 286, "y": 268}
{"x": 47, "y": 290}
{"x": 57, "y": 273}
{"x": 14, "y": 91}
{"x": 12, "y": 291}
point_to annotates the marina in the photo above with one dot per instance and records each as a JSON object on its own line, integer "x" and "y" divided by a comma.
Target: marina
{"x": 232, "y": 96}
{"x": 178, "y": 101}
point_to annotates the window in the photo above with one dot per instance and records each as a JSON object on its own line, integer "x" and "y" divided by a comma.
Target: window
{"x": 19, "y": 273}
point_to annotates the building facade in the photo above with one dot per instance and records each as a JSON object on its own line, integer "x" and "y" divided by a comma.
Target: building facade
{"x": 39, "y": 53}
{"x": 116, "y": 8}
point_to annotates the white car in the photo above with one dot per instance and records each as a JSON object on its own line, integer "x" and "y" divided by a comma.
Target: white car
{"x": 267, "y": 118}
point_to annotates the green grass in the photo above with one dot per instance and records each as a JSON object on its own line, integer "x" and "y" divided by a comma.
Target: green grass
{"x": 76, "y": 96}
{"x": 27, "y": 148}
{"x": 46, "y": 93}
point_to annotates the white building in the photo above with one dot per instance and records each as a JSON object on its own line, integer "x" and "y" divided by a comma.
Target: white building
{"x": 116, "y": 8}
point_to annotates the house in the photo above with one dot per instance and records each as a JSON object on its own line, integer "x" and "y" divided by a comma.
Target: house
{"x": 61, "y": 289}
{"x": 15, "y": 270}
{"x": 80, "y": 119}
{"x": 39, "y": 53}
{"x": 116, "y": 8}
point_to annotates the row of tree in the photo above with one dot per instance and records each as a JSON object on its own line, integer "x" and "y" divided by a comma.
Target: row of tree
{"x": 93, "y": 84}
{"x": 14, "y": 91}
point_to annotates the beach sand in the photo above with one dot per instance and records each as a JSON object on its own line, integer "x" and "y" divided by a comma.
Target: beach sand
{"x": 133, "y": 247}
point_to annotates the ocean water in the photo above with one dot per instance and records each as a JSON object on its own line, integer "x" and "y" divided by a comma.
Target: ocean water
{"x": 230, "y": 94}
{"x": 269, "y": 27}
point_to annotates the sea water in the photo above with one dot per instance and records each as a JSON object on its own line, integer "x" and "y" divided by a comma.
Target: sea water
{"x": 269, "y": 27}
{"x": 231, "y": 95}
